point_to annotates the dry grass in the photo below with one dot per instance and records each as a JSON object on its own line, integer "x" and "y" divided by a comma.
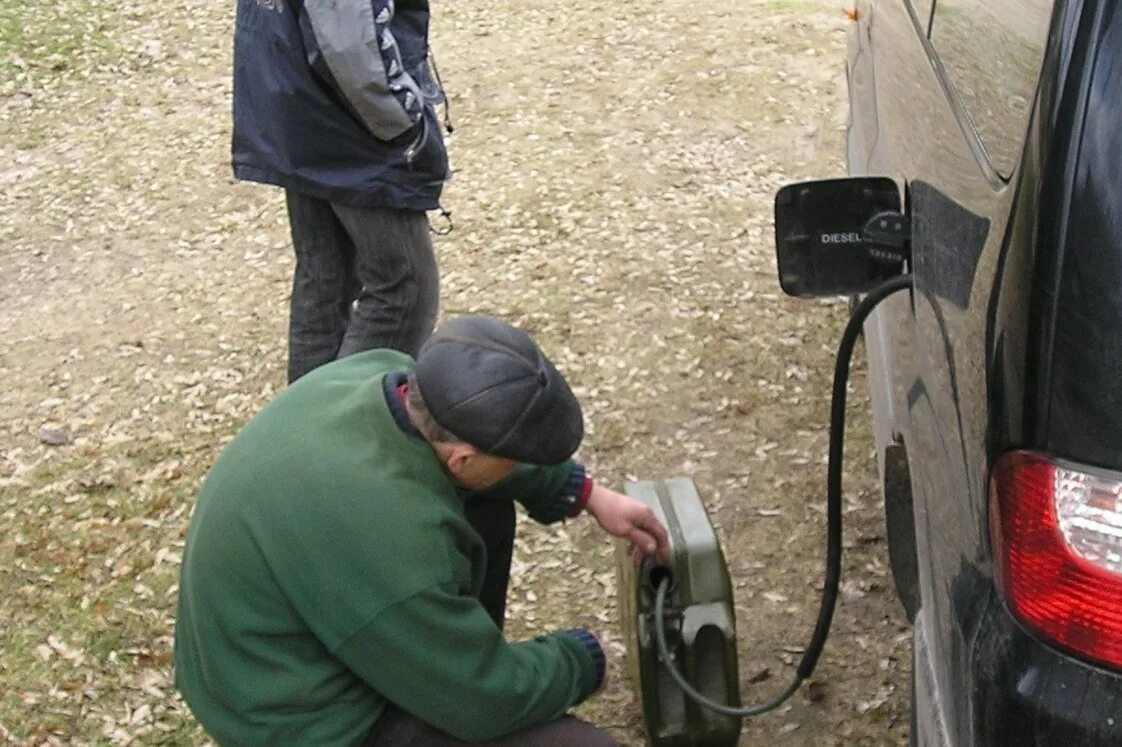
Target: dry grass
{"x": 614, "y": 171}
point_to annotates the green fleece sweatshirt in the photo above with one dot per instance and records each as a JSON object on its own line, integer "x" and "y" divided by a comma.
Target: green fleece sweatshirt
{"x": 329, "y": 568}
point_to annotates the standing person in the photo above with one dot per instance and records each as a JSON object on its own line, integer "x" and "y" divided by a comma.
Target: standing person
{"x": 333, "y": 101}
{"x": 345, "y": 572}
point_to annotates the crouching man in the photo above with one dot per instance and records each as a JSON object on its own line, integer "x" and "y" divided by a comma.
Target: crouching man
{"x": 344, "y": 577}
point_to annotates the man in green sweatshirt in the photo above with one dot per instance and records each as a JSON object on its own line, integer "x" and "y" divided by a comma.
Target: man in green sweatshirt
{"x": 345, "y": 571}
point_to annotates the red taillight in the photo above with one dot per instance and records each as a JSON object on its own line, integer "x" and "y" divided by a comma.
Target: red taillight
{"x": 1057, "y": 541}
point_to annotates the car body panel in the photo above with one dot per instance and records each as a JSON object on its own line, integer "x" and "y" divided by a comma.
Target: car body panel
{"x": 998, "y": 347}
{"x": 1085, "y": 395}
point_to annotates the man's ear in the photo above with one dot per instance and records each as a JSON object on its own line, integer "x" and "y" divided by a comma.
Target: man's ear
{"x": 459, "y": 455}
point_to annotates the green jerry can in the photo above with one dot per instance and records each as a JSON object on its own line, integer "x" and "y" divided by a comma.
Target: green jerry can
{"x": 699, "y": 619}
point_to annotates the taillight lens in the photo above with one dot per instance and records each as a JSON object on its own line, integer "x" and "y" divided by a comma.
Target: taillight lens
{"x": 1057, "y": 540}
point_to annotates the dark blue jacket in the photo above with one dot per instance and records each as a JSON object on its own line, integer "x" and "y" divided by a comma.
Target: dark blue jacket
{"x": 334, "y": 98}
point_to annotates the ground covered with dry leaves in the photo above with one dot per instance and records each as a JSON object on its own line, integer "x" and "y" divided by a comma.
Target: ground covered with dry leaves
{"x": 615, "y": 164}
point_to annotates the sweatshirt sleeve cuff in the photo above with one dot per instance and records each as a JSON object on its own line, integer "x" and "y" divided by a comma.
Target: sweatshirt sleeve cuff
{"x": 595, "y": 652}
{"x": 582, "y": 497}
{"x": 569, "y": 500}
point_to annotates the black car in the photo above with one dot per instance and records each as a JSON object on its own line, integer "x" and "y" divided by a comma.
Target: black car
{"x": 996, "y": 375}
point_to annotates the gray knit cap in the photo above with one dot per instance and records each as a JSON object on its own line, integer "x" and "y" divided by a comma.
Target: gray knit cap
{"x": 489, "y": 384}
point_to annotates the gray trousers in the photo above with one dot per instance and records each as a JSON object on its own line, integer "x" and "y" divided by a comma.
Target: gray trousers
{"x": 365, "y": 278}
{"x": 395, "y": 728}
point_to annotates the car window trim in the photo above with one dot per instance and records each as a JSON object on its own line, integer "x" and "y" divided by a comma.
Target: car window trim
{"x": 993, "y": 177}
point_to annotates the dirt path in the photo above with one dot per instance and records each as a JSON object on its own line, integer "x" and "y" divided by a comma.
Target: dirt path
{"x": 615, "y": 164}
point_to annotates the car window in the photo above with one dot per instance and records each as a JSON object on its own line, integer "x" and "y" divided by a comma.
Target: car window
{"x": 992, "y": 50}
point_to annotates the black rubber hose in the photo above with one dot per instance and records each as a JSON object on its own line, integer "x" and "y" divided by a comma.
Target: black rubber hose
{"x": 664, "y": 653}
{"x": 833, "y": 522}
{"x": 834, "y": 467}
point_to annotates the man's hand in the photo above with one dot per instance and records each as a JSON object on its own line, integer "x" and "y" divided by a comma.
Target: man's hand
{"x": 627, "y": 518}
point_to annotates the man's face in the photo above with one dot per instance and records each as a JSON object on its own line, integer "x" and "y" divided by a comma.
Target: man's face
{"x": 475, "y": 470}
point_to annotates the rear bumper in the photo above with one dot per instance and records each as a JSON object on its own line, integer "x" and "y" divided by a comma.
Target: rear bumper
{"x": 1027, "y": 693}
{"x": 1023, "y": 693}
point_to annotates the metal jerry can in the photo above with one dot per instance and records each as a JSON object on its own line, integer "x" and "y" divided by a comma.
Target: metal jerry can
{"x": 699, "y": 619}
